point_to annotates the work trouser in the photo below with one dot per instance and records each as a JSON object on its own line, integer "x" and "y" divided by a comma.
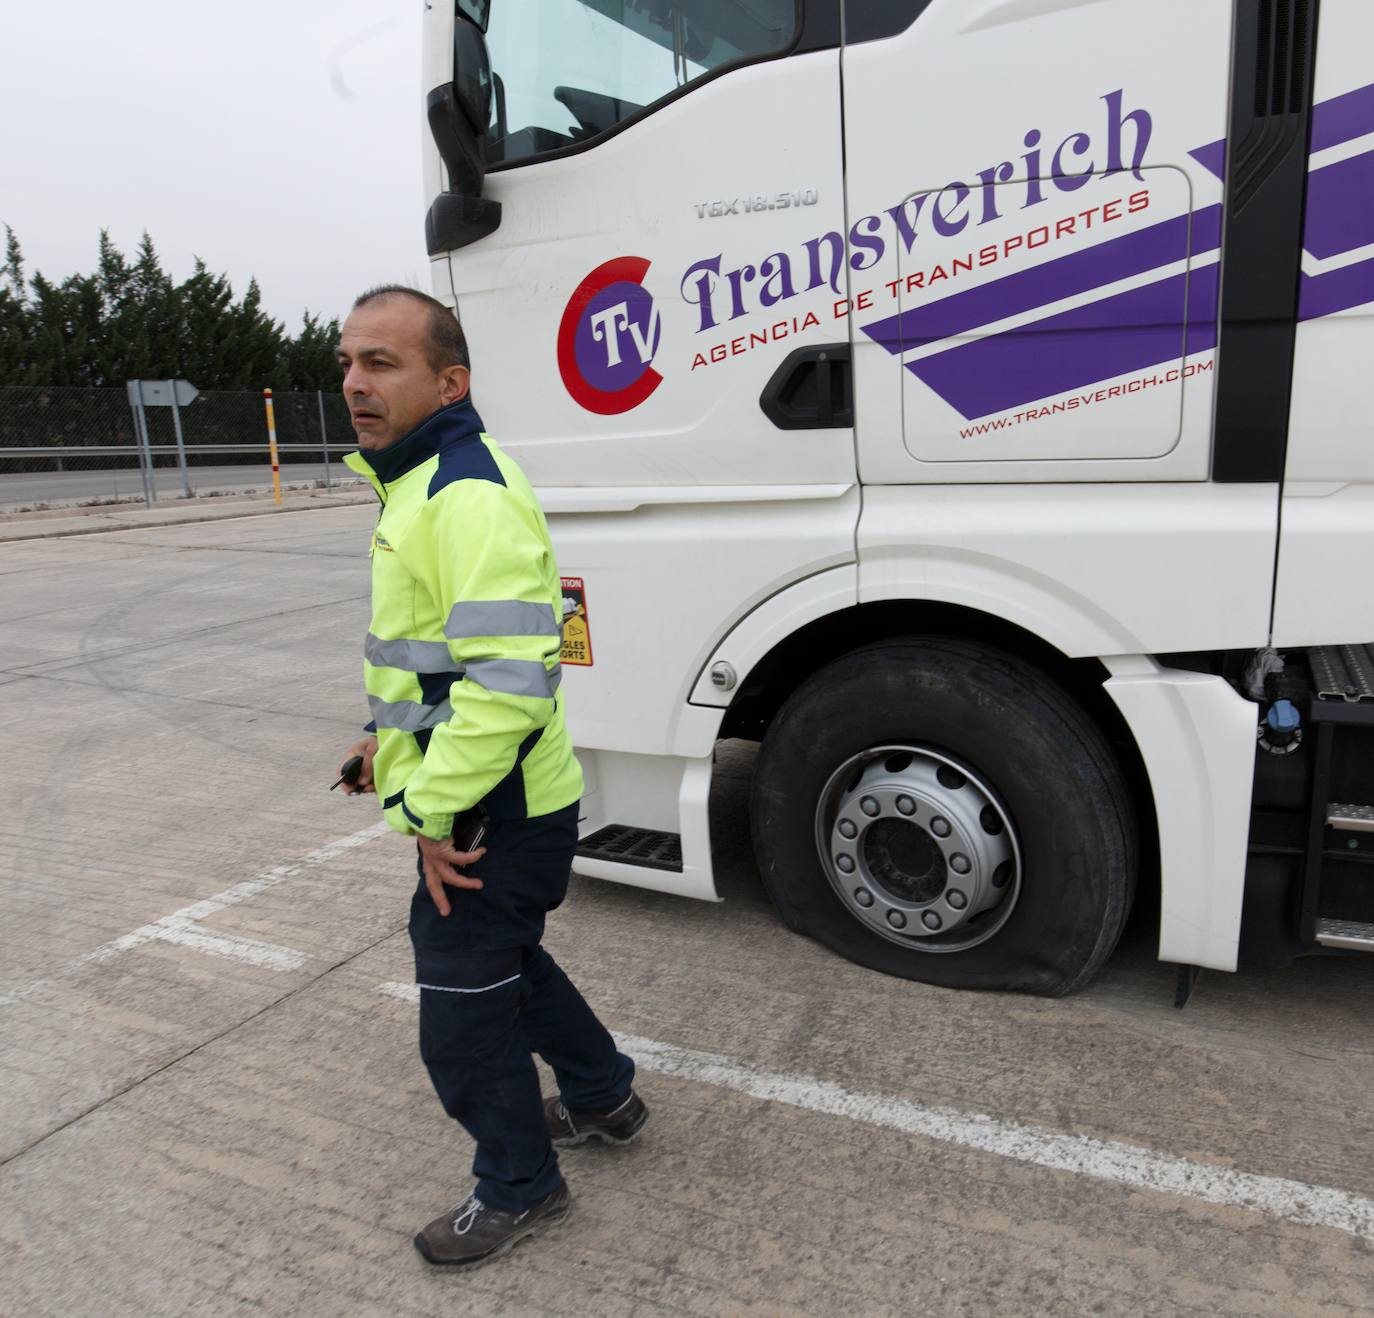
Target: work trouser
{"x": 490, "y": 996}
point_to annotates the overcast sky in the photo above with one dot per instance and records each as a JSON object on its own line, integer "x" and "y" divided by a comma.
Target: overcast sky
{"x": 276, "y": 138}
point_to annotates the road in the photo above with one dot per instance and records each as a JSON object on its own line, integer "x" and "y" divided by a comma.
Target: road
{"x": 55, "y": 488}
{"x": 213, "y": 1100}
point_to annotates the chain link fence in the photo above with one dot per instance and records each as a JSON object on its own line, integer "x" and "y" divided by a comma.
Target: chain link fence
{"x": 61, "y": 446}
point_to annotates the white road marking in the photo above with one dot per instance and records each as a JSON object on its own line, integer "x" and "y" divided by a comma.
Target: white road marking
{"x": 271, "y": 956}
{"x": 175, "y": 928}
{"x": 182, "y": 929}
{"x": 1103, "y": 1160}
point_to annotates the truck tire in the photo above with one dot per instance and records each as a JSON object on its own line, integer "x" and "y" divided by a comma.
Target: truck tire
{"x": 945, "y": 812}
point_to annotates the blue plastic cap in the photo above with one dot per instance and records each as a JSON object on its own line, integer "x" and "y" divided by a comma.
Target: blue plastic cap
{"x": 1283, "y": 716}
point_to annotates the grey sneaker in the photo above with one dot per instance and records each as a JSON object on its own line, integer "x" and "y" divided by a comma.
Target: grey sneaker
{"x": 620, "y": 1125}
{"x": 470, "y": 1234}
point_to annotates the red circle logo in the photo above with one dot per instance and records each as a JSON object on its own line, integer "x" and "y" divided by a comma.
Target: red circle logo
{"x": 608, "y": 338}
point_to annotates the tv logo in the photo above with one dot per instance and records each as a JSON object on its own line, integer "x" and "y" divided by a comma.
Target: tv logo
{"x": 608, "y": 337}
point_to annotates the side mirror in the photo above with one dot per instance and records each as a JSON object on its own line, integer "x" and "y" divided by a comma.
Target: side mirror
{"x": 459, "y": 113}
{"x": 472, "y": 74}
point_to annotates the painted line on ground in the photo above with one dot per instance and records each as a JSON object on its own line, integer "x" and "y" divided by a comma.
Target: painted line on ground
{"x": 1083, "y": 1155}
{"x": 182, "y": 927}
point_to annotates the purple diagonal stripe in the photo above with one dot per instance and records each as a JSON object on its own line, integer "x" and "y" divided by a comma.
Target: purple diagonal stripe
{"x": 1212, "y": 157}
{"x": 1343, "y": 117}
{"x": 1337, "y": 290}
{"x": 1079, "y": 272}
{"x": 1340, "y": 206}
{"x": 1128, "y": 332}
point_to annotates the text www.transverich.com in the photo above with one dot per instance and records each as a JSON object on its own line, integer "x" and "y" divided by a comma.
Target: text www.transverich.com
{"x": 1086, "y": 400}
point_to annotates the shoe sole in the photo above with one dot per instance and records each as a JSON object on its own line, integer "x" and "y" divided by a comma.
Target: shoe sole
{"x": 605, "y": 1136}
{"x": 553, "y": 1219}
{"x": 572, "y": 1141}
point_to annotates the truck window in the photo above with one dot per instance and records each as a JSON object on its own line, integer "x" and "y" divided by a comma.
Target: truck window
{"x": 567, "y": 72}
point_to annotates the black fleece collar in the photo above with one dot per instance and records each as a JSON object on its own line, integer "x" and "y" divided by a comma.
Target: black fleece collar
{"x": 458, "y": 423}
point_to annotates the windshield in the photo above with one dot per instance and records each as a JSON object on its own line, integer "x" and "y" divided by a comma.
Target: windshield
{"x": 566, "y": 71}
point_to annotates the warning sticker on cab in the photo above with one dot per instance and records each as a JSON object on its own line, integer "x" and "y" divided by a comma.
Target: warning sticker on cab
{"x": 577, "y": 632}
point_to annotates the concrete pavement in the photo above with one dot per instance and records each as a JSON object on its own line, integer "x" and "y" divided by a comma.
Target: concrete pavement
{"x": 212, "y": 1099}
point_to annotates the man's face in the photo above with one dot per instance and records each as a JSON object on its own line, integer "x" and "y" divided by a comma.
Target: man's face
{"x": 389, "y": 384}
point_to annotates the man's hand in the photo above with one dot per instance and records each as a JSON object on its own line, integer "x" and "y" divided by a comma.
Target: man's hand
{"x": 443, "y": 865}
{"x": 367, "y": 748}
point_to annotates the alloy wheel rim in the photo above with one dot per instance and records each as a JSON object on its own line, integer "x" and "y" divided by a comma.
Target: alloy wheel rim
{"x": 919, "y": 848}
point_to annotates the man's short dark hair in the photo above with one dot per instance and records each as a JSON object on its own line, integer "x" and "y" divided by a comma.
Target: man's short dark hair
{"x": 448, "y": 346}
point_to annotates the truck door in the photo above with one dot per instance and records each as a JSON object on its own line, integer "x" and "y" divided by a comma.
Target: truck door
{"x": 1035, "y": 225}
{"x": 660, "y": 169}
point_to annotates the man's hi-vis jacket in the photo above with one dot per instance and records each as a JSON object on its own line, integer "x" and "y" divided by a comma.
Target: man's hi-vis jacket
{"x": 461, "y": 662}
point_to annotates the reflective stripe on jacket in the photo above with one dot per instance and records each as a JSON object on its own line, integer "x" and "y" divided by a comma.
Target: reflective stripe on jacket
{"x": 461, "y": 661}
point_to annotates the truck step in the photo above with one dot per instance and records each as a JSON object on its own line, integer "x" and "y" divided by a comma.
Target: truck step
{"x": 1346, "y": 933}
{"x": 1343, "y": 672}
{"x": 645, "y": 847}
{"x": 1351, "y": 818}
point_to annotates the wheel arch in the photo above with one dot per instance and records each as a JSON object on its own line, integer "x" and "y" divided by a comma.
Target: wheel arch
{"x": 794, "y": 658}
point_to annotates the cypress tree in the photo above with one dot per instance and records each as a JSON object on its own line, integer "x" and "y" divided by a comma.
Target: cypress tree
{"x": 53, "y": 331}
{"x": 131, "y": 320}
{"x": 311, "y": 355}
{"x": 16, "y": 322}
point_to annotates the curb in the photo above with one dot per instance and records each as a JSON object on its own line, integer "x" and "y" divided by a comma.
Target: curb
{"x": 101, "y": 520}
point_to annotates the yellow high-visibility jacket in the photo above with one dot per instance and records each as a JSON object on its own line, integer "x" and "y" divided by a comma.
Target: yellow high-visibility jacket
{"x": 461, "y": 661}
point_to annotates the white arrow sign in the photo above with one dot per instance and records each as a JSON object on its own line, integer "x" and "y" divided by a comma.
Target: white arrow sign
{"x": 162, "y": 393}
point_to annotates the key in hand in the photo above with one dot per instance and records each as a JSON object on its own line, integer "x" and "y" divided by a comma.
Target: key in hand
{"x": 350, "y": 771}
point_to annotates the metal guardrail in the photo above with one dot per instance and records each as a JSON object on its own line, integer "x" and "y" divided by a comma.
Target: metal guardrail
{"x": 130, "y": 450}
{"x": 66, "y": 430}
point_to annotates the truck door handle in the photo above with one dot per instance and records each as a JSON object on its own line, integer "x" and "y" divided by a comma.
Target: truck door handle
{"x": 813, "y": 389}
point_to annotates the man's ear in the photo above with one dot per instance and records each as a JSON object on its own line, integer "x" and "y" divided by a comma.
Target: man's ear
{"x": 453, "y": 384}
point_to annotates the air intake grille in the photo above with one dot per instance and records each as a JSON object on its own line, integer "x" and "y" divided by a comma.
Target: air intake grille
{"x": 1281, "y": 57}
{"x": 1277, "y": 125}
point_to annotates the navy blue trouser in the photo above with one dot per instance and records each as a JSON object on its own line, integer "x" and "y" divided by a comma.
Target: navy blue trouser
{"x": 490, "y": 997}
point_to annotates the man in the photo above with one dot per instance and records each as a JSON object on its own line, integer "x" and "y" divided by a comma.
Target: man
{"x": 462, "y": 674}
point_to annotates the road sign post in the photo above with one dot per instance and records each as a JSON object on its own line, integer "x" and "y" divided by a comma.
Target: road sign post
{"x": 181, "y": 449}
{"x": 145, "y": 455}
{"x": 175, "y": 394}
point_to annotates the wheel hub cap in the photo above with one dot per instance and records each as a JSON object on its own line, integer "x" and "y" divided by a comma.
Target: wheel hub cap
{"x": 918, "y": 848}
{"x": 904, "y": 860}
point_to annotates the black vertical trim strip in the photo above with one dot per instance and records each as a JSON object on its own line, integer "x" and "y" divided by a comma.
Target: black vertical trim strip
{"x": 1272, "y": 66}
{"x": 820, "y": 27}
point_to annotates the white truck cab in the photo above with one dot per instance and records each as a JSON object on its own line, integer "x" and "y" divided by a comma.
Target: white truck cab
{"x": 969, "y": 401}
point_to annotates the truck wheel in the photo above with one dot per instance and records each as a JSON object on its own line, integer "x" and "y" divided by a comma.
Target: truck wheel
{"x": 944, "y": 812}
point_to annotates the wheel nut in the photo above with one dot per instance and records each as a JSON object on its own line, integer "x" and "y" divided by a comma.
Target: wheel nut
{"x": 940, "y": 826}
{"x": 896, "y": 919}
{"x": 869, "y": 806}
{"x": 906, "y": 805}
{"x": 848, "y": 828}
{"x": 960, "y": 863}
{"x": 930, "y": 920}
{"x": 956, "y": 899}
{"x": 863, "y": 897}
{"x": 845, "y": 864}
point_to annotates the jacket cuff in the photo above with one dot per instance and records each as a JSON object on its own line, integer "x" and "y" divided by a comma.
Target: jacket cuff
{"x": 438, "y": 828}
